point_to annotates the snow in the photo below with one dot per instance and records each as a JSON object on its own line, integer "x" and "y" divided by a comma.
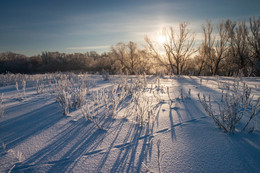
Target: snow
{"x": 39, "y": 138}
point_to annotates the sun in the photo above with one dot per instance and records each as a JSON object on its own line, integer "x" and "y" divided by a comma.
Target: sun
{"x": 161, "y": 39}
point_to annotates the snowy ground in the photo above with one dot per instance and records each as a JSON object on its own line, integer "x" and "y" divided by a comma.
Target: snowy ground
{"x": 39, "y": 138}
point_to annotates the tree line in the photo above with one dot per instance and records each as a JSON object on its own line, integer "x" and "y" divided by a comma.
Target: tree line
{"x": 227, "y": 48}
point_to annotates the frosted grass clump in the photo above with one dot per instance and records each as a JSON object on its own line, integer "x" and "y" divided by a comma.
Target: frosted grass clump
{"x": 236, "y": 107}
{"x": 63, "y": 98}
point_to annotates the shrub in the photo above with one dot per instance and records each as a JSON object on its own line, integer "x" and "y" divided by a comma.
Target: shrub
{"x": 63, "y": 98}
{"x": 78, "y": 97}
{"x": 235, "y": 106}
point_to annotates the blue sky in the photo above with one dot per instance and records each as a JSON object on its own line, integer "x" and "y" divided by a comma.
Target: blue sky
{"x": 32, "y": 26}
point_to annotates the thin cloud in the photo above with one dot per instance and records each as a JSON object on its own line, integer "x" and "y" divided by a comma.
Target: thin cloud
{"x": 88, "y": 47}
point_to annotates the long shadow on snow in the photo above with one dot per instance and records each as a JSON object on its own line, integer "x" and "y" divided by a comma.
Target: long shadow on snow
{"x": 106, "y": 155}
{"x": 194, "y": 109}
{"x": 127, "y": 159}
{"x": 88, "y": 141}
{"x": 26, "y": 105}
{"x": 146, "y": 149}
{"x": 56, "y": 146}
{"x": 18, "y": 129}
{"x": 172, "y": 125}
{"x": 203, "y": 88}
{"x": 184, "y": 80}
{"x": 87, "y": 138}
{"x": 247, "y": 147}
{"x": 64, "y": 149}
{"x": 191, "y": 106}
{"x": 91, "y": 144}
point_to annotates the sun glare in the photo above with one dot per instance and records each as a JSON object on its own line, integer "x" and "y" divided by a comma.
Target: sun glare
{"x": 161, "y": 39}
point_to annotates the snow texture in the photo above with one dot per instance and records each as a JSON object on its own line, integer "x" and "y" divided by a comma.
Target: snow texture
{"x": 37, "y": 137}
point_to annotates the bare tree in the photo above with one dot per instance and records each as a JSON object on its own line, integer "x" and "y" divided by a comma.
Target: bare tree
{"x": 201, "y": 60}
{"x": 208, "y": 45}
{"x": 254, "y": 37}
{"x": 129, "y": 56}
{"x": 238, "y": 34}
{"x": 254, "y": 41}
{"x": 178, "y": 48}
{"x": 214, "y": 45}
{"x": 221, "y": 44}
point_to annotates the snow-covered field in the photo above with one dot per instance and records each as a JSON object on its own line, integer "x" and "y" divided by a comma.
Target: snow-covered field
{"x": 180, "y": 137}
